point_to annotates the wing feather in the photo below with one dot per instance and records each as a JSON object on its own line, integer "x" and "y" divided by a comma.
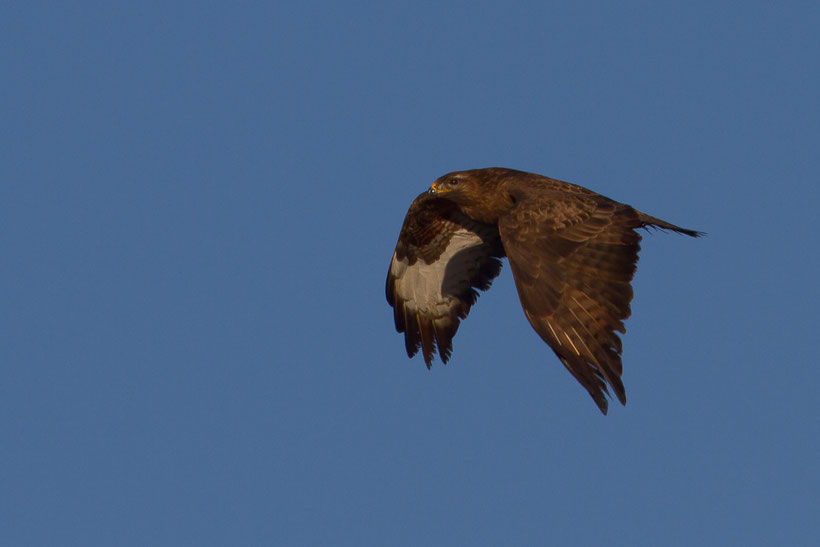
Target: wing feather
{"x": 573, "y": 258}
{"x": 441, "y": 259}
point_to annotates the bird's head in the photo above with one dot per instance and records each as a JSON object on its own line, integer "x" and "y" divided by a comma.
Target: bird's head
{"x": 477, "y": 192}
{"x": 452, "y": 185}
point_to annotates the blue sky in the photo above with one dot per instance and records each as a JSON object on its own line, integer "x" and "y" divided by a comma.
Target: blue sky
{"x": 199, "y": 204}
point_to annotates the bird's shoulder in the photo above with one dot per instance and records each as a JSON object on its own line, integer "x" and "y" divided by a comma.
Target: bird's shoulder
{"x": 543, "y": 203}
{"x": 431, "y": 224}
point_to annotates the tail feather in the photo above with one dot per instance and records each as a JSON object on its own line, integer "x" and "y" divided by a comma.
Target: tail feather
{"x": 647, "y": 220}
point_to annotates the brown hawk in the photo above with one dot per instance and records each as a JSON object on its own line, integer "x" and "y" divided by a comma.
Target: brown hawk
{"x": 572, "y": 253}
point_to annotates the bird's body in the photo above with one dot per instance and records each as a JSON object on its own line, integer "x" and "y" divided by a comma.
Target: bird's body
{"x": 572, "y": 252}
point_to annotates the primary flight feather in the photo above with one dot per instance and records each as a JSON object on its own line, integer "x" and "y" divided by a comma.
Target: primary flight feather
{"x": 572, "y": 253}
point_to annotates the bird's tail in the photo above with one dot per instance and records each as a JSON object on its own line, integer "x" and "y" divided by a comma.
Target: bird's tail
{"x": 647, "y": 220}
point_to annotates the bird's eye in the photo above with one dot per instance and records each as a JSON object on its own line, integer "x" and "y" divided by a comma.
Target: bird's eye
{"x": 453, "y": 182}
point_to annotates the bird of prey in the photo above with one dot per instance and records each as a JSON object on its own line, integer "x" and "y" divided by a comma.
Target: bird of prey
{"x": 572, "y": 252}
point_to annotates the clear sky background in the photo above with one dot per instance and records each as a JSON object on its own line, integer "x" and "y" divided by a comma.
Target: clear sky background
{"x": 199, "y": 203}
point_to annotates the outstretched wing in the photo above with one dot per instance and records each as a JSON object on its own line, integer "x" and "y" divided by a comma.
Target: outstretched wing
{"x": 573, "y": 254}
{"x": 440, "y": 260}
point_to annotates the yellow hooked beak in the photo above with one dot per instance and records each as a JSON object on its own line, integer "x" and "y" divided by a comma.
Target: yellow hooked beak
{"x": 434, "y": 189}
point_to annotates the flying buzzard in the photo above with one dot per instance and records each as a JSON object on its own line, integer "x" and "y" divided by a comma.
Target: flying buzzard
{"x": 572, "y": 252}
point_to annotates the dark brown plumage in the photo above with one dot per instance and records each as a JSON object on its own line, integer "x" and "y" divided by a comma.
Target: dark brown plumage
{"x": 572, "y": 252}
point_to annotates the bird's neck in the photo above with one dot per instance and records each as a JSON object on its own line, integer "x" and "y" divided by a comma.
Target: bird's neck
{"x": 489, "y": 210}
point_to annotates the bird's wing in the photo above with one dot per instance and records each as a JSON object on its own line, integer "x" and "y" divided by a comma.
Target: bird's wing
{"x": 441, "y": 258}
{"x": 573, "y": 255}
